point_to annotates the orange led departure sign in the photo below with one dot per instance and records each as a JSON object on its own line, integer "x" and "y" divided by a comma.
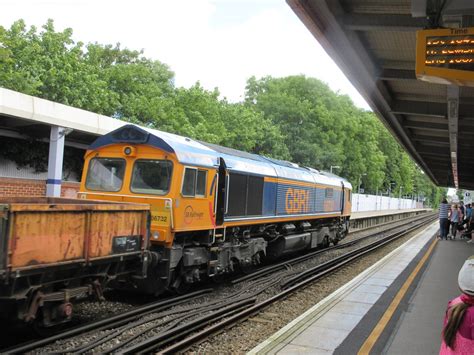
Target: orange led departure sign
{"x": 446, "y": 56}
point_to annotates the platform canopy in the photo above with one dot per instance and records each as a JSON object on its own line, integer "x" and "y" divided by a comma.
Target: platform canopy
{"x": 374, "y": 44}
{"x": 24, "y": 117}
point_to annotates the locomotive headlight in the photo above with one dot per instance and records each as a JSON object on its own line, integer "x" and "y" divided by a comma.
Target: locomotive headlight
{"x": 156, "y": 235}
{"x": 129, "y": 151}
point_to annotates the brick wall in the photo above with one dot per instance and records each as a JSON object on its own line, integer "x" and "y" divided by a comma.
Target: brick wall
{"x": 30, "y": 187}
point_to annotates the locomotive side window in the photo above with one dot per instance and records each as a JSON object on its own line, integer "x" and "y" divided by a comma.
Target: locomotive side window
{"x": 105, "y": 174}
{"x": 151, "y": 177}
{"x": 189, "y": 182}
{"x": 329, "y": 193}
{"x": 194, "y": 182}
{"x": 201, "y": 183}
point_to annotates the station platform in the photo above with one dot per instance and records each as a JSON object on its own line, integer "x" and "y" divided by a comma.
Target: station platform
{"x": 365, "y": 219}
{"x": 394, "y": 307}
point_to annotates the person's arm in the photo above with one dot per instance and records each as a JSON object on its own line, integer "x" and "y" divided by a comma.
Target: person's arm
{"x": 471, "y": 322}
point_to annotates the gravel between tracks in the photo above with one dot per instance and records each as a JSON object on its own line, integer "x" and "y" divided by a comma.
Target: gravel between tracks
{"x": 248, "y": 334}
{"x": 89, "y": 311}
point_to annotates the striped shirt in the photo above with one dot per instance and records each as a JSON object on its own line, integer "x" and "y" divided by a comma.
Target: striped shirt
{"x": 443, "y": 210}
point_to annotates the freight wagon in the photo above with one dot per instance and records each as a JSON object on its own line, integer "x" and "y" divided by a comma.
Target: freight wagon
{"x": 55, "y": 250}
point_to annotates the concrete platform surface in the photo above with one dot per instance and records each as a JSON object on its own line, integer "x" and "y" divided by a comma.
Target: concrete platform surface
{"x": 418, "y": 330}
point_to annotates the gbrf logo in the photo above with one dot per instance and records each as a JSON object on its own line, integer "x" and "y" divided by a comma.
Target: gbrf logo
{"x": 297, "y": 200}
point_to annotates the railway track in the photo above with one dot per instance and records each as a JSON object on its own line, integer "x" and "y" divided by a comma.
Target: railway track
{"x": 290, "y": 262}
{"x": 291, "y": 285}
{"x": 163, "y": 323}
{"x": 114, "y": 321}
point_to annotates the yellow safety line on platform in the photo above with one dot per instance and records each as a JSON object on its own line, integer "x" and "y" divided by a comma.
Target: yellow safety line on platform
{"x": 379, "y": 328}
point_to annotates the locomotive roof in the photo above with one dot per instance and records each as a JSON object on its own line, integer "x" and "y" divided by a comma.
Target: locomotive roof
{"x": 196, "y": 153}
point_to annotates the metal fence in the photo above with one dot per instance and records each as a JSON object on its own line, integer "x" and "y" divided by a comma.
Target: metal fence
{"x": 361, "y": 202}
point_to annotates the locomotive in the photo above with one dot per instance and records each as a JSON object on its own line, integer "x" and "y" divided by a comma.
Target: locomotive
{"x": 214, "y": 210}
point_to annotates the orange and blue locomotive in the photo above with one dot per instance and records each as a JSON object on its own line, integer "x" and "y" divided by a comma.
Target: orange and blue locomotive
{"x": 214, "y": 209}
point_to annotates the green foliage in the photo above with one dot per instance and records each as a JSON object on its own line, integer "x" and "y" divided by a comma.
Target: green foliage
{"x": 323, "y": 129}
{"x": 34, "y": 154}
{"x": 293, "y": 118}
{"x": 29, "y": 153}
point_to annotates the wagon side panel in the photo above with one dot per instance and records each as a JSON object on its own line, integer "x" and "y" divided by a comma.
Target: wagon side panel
{"x": 118, "y": 232}
{"x": 40, "y": 238}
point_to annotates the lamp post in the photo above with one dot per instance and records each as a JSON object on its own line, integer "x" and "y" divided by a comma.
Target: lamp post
{"x": 358, "y": 190}
{"x": 360, "y": 182}
{"x": 334, "y": 167}
{"x": 390, "y": 189}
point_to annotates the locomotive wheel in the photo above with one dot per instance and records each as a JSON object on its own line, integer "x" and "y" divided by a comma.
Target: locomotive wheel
{"x": 250, "y": 267}
{"x": 219, "y": 278}
{"x": 247, "y": 268}
{"x": 180, "y": 286}
{"x": 326, "y": 242}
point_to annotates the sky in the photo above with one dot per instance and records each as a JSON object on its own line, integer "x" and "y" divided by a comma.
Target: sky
{"x": 220, "y": 43}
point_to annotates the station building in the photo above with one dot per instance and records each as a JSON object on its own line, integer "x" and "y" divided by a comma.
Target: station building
{"x": 51, "y": 130}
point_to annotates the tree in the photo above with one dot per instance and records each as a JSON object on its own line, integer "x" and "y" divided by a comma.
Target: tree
{"x": 322, "y": 128}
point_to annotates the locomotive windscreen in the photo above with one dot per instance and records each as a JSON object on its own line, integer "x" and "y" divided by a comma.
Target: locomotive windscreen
{"x": 105, "y": 174}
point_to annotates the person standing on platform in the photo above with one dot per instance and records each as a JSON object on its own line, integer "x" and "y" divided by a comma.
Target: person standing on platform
{"x": 455, "y": 219}
{"x": 468, "y": 222}
{"x": 458, "y": 327}
{"x": 468, "y": 216}
{"x": 443, "y": 219}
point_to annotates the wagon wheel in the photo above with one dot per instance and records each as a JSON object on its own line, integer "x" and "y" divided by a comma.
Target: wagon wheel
{"x": 40, "y": 329}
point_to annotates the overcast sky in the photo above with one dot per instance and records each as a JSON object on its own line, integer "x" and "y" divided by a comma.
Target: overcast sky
{"x": 220, "y": 43}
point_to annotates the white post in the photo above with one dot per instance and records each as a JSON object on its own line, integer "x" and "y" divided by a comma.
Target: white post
{"x": 376, "y": 202}
{"x": 55, "y": 162}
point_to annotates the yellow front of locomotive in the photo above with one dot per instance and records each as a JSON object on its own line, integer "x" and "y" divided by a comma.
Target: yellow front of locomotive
{"x": 181, "y": 197}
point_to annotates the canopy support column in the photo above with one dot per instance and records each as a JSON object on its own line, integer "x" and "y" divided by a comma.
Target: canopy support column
{"x": 55, "y": 162}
